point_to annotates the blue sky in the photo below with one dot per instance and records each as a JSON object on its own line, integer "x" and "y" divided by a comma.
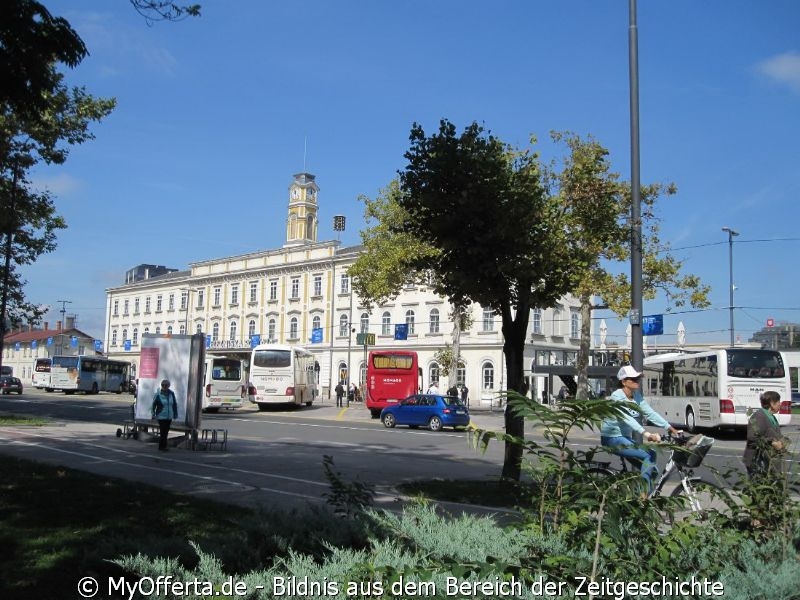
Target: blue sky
{"x": 215, "y": 114}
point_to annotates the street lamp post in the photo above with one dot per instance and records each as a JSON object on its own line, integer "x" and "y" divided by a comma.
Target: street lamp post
{"x": 339, "y": 222}
{"x": 731, "y": 234}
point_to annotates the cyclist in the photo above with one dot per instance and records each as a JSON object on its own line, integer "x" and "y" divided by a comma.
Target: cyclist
{"x": 618, "y": 433}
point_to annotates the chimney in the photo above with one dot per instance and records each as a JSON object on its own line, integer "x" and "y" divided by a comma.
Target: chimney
{"x": 46, "y": 325}
{"x": 69, "y": 323}
{"x": 58, "y": 325}
{"x": 30, "y": 327}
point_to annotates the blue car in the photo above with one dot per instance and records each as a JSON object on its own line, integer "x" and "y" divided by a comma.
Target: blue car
{"x": 432, "y": 410}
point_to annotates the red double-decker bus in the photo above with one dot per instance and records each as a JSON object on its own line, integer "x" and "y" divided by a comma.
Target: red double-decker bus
{"x": 391, "y": 376}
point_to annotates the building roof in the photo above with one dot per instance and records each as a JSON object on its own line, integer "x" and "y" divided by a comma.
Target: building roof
{"x": 42, "y": 334}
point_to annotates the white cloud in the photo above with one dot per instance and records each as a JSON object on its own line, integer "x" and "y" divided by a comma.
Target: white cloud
{"x": 783, "y": 69}
{"x": 58, "y": 185}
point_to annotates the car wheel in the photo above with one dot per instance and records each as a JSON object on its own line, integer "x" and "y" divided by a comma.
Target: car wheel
{"x": 388, "y": 420}
{"x": 20, "y": 391}
{"x": 435, "y": 423}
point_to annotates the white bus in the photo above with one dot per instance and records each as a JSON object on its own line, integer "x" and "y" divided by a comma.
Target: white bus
{"x": 41, "y": 373}
{"x": 282, "y": 375}
{"x": 718, "y": 388}
{"x": 90, "y": 374}
{"x": 225, "y": 383}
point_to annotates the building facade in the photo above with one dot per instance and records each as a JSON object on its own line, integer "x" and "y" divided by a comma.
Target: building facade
{"x": 301, "y": 294}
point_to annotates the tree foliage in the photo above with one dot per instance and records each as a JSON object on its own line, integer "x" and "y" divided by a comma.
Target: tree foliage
{"x": 596, "y": 208}
{"x": 159, "y": 10}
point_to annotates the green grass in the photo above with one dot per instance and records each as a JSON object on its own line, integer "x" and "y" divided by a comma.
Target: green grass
{"x": 21, "y": 420}
{"x": 58, "y": 525}
{"x": 482, "y": 492}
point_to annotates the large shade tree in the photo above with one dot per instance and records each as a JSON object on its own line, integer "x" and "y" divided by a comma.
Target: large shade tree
{"x": 484, "y": 207}
{"x": 596, "y": 208}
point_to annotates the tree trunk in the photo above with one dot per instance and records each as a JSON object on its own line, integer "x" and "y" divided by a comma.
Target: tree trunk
{"x": 452, "y": 379}
{"x": 582, "y": 362}
{"x": 514, "y": 331}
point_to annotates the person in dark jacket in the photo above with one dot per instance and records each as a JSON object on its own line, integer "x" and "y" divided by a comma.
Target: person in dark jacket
{"x": 763, "y": 452}
{"x": 164, "y": 409}
{"x": 339, "y": 394}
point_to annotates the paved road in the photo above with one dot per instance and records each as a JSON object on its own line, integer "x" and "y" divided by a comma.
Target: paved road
{"x": 272, "y": 457}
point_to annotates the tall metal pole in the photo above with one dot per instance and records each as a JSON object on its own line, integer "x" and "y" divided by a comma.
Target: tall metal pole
{"x": 637, "y": 349}
{"x": 731, "y": 233}
{"x": 339, "y": 223}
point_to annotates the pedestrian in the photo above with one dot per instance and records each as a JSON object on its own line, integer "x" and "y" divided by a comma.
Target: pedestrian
{"x": 164, "y": 409}
{"x": 452, "y": 391}
{"x": 763, "y": 452}
{"x": 464, "y": 395}
{"x": 339, "y": 394}
{"x": 433, "y": 388}
{"x": 351, "y": 393}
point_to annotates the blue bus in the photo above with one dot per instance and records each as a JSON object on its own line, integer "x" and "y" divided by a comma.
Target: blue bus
{"x": 90, "y": 374}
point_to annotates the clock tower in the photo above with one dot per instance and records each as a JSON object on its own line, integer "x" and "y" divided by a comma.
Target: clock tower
{"x": 301, "y": 225}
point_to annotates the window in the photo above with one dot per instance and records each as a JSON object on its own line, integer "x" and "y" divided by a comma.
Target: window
{"x": 124, "y": 335}
{"x": 114, "y": 338}
{"x": 217, "y": 295}
{"x": 271, "y": 330}
{"x": 182, "y": 329}
{"x": 171, "y": 302}
{"x": 316, "y": 322}
{"x": 234, "y": 294}
{"x": 434, "y": 320}
{"x": 147, "y": 330}
{"x": 253, "y": 292}
{"x": 488, "y": 376}
{"x": 136, "y": 306}
{"x": 158, "y": 329}
{"x": 293, "y": 328}
{"x": 295, "y": 287}
{"x": 461, "y": 374}
{"x": 125, "y": 309}
{"x": 232, "y": 331}
{"x": 184, "y": 300}
{"x": 488, "y": 319}
{"x": 199, "y": 328}
{"x": 169, "y": 329}
{"x": 135, "y": 339}
{"x": 344, "y": 285}
{"x": 556, "y": 322}
{"x": 116, "y": 308}
{"x": 386, "y": 324}
{"x": 273, "y": 289}
{"x": 574, "y": 326}
{"x": 251, "y": 328}
{"x": 410, "y": 321}
{"x": 200, "y": 298}
{"x": 158, "y": 303}
{"x": 318, "y": 285}
{"x": 364, "y": 323}
{"x": 343, "y": 326}
{"x": 537, "y": 321}
{"x": 215, "y": 332}
{"x": 433, "y": 373}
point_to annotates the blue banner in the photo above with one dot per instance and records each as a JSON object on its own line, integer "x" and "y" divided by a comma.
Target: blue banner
{"x": 127, "y": 345}
{"x": 208, "y": 341}
{"x": 255, "y": 340}
{"x": 17, "y": 346}
{"x": 49, "y": 341}
{"x": 73, "y": 341}
{"x": 34, "y": 345}
{"x": 653, "y": 325}
{"x": 316, "y": 335}
{"x": 401, "y": 331}
{"x": 98, "y": 345}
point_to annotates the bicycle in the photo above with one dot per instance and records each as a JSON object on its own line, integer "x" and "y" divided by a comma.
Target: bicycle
{"x": 702, "y": 498}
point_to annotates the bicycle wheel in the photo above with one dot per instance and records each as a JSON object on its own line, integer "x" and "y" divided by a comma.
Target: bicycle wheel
{"x": 703, "y": 501}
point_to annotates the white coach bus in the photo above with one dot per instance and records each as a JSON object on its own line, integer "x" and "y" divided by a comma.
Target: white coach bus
{"x": 718, "y": 388}
{"x": 282, "y": 374}
{"x": 225, "y": 383}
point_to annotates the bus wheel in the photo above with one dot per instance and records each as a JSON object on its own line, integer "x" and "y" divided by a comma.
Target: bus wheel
{"x": 94, "y": 388}
{"x": 375, "y": 413}
{"x": 690, "y": 424}
{"x": 308, "y": 403}
{"x": 48, "y": 390}
{"x": 262, "y": 406}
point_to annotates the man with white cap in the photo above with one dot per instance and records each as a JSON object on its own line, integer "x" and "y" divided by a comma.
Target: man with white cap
{"x": 617, "y": 433}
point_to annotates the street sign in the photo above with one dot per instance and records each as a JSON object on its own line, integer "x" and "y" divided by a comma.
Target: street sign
{"x": 653, "y": 325}
{"x": 770, "y": 322}
{"x": 365, "y": 339}
{"x": 401, "y": 331}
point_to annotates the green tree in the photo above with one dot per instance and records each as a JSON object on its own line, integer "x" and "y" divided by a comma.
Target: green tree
{"x": 484, "y": 207}
{"x": 596, "y": 210}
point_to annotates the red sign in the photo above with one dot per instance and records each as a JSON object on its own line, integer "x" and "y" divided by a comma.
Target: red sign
{"x": 770, "y": 322}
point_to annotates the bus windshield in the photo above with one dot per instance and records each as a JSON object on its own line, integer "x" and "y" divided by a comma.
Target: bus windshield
{"x": 226, "y": 369}
{"x": 273, "y": 359}
{"x": 761, "y": 364}
{"x": 392, "y": 361}
{"x": 70, "y": 362}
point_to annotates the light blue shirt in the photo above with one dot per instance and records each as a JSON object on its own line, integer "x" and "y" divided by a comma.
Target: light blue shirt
{"x": 628, "y": 423}
{"x": 169, "y": 406}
